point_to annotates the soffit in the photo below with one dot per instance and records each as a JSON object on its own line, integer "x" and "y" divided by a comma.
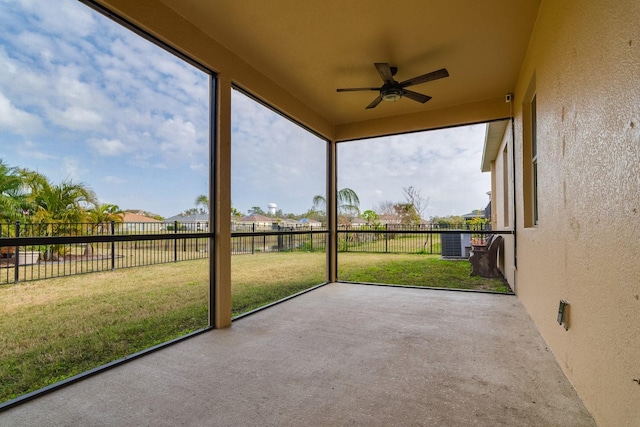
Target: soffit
{"x": 310, "y": 48}
{"x": 492, "y": 142}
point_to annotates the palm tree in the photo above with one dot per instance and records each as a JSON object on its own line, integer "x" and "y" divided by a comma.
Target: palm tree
{"x": 370, "y": 216}
{"x": 55, "y": 208}
{"x": 201, "y": 200}
{"x": 348, "y": 202}
{"x": 100, "y": 215}
{"x": 11, "y": 197}
{"x": 65, "y": 203}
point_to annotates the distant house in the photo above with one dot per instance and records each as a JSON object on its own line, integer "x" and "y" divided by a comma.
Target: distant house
{"x": 390, "y": 219}
{"x": 357, "y": 222}
{"x": 486, "y": 213}
{"x": 306, "y": 222}
{"x": 259, "y": 222}
{"x": 136, "y": 223}
{"x": 288, "y": 223}
{"x": 473, "y": 215}
{"x": 194, "y": 222}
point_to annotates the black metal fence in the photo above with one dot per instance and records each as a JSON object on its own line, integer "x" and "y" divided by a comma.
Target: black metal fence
{"x": 453, "y": 240}
{"x": 40, "y": 251}
{"x": 281, "y": 239}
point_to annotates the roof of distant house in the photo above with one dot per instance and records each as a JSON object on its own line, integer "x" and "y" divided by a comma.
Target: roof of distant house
{"x": 309, "y": 221}
{"x": 133, "y": 217}
{"x": 257, "y": 218}
{"x": 473, "y": 215}
{"x": 201, "y": 217}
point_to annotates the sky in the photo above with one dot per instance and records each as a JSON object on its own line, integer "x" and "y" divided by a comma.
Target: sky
{"x": 84, "y": 99}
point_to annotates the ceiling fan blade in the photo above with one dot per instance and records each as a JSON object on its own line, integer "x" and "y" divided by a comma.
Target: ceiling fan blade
{"x": 355, "y": 89}
{"x": 375, "y": 102}
{"x": 415, "y": 96}
{"x": 385, "y": 71}
{"x": 434, "y": 75}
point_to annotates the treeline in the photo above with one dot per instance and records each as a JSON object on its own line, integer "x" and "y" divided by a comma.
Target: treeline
{"x": 30, "y": 197}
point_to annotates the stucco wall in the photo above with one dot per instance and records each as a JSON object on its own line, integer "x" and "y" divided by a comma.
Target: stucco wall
{"x": 585, "y": 57}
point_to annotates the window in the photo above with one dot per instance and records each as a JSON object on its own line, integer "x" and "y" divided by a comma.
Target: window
{"x": 278, "y": 179}
{"x": 505, "y": 187}
{"x": 530, "y": 157}
{"x": 109, "y": 128}
{"x": 534, "y": 160}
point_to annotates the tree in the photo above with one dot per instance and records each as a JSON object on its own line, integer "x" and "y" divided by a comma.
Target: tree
{"x": 314, "y": 215}
{"x": 12, "y": 198}
{"x": 235, "y": 213}
{"x": 370, "y": 216}
{"x": 100, "y": 216}
{"x": 190, "y": 211}
{"x": 451, "y": 221}
{"x": 386, "y": 207}
{"x": 415, "y": 199}
{"x": 257, "y": 210}
{"x": 56, "y": 208}
{"x": 66, "y": 202}
{"x": 203, "y": 201}
{"x": 105, "y": 213}
{"x": 407, "y": 214}
{"x": 348, "y": 202}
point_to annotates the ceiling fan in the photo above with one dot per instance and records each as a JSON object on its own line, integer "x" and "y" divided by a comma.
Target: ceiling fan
{"x": 392, "y": 90}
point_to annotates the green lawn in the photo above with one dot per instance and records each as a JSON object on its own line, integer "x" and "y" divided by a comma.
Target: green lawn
{"x": 413, "y": 270}
{"x": 56, "y": 328}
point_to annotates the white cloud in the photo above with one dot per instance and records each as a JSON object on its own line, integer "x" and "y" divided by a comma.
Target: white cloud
{"x": 76, "y": 118}
{"x": 108, "y": 147}
{"x": 444, "y": 165}
{"x": 16, "y": 120}
{"x": 56, "y": 17}
{"x": 109, "y": 179}
{"x": 73, "y": 169}
{"x": 198, "y": 166}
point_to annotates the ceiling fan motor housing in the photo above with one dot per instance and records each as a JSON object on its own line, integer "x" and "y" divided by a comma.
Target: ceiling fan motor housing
{"x": 391, "y": 92}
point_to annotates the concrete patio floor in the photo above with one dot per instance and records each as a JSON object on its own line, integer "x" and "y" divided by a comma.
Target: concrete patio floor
{"x": 343, "y": 354}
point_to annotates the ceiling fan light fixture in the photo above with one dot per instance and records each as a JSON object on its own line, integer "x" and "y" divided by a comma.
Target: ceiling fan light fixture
{"x": 392, "y": 95}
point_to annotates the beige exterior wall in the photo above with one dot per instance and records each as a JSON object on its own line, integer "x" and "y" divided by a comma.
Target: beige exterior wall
{"x": 585, "y": 60}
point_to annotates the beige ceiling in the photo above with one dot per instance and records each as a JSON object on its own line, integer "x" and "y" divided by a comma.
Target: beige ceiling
{"x": 311, "y": 48}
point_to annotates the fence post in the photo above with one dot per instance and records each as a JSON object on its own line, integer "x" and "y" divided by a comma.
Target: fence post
{"x": 113, "y": 247}
{"x": 311, "y": 237}
{"x": 16, "y": 272}
{"x": 253, "y": 238}
{"x": 431, "y": 239}
{"x": 386, "y": 238}
{"x": 175, "y": 241}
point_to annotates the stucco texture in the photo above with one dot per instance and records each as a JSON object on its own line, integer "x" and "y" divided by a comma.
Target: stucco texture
{"x": 585, "y": 59}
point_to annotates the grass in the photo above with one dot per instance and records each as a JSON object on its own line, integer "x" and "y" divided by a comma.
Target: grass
{"x": 413, "y": 270}
{"x": 56, "y": 328}
{"x": 267, "y": 277}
